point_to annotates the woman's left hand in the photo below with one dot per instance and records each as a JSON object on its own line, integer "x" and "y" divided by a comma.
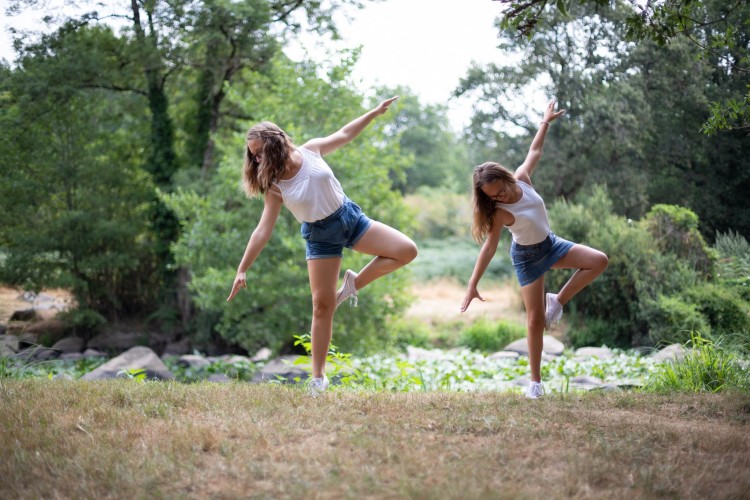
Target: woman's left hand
{"x": 550, "y": 114}
{"x": 383, "y": 106}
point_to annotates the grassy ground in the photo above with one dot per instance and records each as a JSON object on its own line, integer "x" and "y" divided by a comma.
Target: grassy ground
{"x": 124, "y": 439}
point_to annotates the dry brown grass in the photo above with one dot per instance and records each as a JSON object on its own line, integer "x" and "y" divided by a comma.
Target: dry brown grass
{"x": 125, "y": 439}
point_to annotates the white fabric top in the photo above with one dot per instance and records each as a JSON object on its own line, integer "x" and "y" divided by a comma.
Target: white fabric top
{"x": 313, "y": 193}
{"x": 531, "y": 225}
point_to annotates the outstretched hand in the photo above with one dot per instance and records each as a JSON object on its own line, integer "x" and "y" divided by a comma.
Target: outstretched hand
{"x": 239, "y": 282}
{"x": 471, "y": 294}
{"x": 383, "y": 106}
{"x": 550, "y": 114}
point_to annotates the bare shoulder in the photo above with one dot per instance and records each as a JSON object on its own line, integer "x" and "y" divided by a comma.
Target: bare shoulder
{"x": 522, "y": 175}
{"x": 313, "y": 145}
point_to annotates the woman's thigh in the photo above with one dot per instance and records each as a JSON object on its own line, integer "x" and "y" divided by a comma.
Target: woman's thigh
{"x": 385, "y": 241}
{"x": 581, "y": 257}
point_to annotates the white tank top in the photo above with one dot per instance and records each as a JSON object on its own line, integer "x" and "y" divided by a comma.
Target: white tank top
{"x": 313, "y": 193}
{"x": 531, "y": 225}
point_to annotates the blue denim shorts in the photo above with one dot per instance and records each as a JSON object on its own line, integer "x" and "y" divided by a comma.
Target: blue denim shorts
{"x": 327, "y": 237}
{"x": 532, "y": 261}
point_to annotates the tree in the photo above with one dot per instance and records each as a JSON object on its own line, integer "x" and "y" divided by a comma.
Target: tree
{"x": 717, "y": 27}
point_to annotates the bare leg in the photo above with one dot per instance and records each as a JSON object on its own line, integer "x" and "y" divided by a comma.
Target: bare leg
{"x": 324, "y": 274}
{"x": 533, "y": 300}
{"x": 392, "y": 248}
{"x": 589, "y": 263}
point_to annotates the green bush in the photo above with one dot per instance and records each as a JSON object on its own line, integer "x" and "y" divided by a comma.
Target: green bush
{"x": 707, "y": 367}
{"x": 725, "y": 311}
{"x": 487, "y": 336}
{"x": 440, "y": 213}
{"x": 671, "y": 320}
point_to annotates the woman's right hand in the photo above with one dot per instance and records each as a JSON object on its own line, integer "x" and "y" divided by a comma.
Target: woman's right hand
{"x": 240, "y": 281}
{"x": 471, "y": 294}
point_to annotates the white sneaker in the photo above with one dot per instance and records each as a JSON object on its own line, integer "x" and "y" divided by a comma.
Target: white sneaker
{"x": 317, "y": 386}
{"x": 554, "y": 311}
{"x": 535, "y": 390}
{"x": 347, "y": 290}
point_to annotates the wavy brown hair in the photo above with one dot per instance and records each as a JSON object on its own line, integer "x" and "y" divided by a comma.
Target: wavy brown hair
{"x": 276, "y": 149}
{"x": 484, "y": 206}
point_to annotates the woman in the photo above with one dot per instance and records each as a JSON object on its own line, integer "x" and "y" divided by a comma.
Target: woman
{"x": 299, "y": 178}
{"x": 503, "y": 198}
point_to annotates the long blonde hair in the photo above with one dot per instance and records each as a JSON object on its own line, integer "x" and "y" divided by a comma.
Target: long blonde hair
{"x": 484, "y": 206}
{"x": 276, "y": 150}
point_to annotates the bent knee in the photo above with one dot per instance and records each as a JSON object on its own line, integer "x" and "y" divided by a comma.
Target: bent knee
{"x": 409, "y": 252}
{"x": 601, "y": 262}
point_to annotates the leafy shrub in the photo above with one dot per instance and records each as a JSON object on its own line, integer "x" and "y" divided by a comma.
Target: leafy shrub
{"x": 409, "y": 332}
{"x": 725, "y": 311}
{"x": 671, "y": 320}
{"x": 706, "y": 368}
{"x": 675, "y": 230}
{"x": 734, "y": 263}
{"x": 487, "y": 336}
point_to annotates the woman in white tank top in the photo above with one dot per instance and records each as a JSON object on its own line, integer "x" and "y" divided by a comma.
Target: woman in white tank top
{"x": 300, "y": 179}
{"x": 506, "y": 199}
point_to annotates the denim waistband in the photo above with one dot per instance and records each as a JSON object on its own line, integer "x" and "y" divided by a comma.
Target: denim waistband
{"x": 535, "y": 245}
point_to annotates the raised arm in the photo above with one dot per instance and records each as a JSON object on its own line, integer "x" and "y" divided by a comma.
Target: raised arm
{"x": 483, "y": 260}
{"x": 259, "y": 238}
{"x": 523, "y": 173}
{"x": 325, "y": 145}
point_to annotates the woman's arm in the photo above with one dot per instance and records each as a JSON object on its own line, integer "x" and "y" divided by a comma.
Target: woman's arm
{"x": 483, "y": 260}
{"x": 325, "y": 145}
{"x": 523, "y": 173}
{"x": 259, "y": 238}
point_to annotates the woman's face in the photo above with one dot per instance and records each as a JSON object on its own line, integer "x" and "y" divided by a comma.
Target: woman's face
{"x": 255, "y": 147}
{"x": 498, "y": 190}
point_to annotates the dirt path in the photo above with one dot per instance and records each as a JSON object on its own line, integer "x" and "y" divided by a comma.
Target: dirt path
{"x": 438, "y": 301}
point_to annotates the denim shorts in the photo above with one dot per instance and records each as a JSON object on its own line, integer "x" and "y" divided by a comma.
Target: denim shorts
{"x": 532, "y": 261}
{"x": 327, "y": 237}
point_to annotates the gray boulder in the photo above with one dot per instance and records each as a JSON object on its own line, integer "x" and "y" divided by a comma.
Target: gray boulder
{"x": 8, "y": 345}
{"x": 139, "y": 358}
{"x": 193, "y": 361}
{"x": 550, "y": 346}
{"x": 263, "y": 354}
{"x": 495, "y": 356}
{"x": 674, "y": 352}
{"x": 69, "y": 344}
{"x": 282, "y": 369}
{"x": 25, "y": 315}
{"x": 93, "y": 353}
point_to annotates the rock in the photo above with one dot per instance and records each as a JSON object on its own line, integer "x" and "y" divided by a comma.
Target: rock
{"x": 193, "y": 361}
{"x": 263, "y": 354}
{"x": 3, "y": 329}
{"x": 117, "y": 341}
{"x": 503, "y": 355}
{"x": 521, "y": 382}
{"x": 25, "y": 315}
{"x": 590, "y": 352}
{"x": 27, "y": 339}
{"x": 135, "y": 358}
{"x": 8, "y": 345}
{"x": 674, "y": 352}
{"x": 45, "y": 353}
{"x": 283, "y": 369}
{"x": 551, "y": 346}
{"x": 71, "y": 356}
{"x": 218, "y": 378}
{"x": 93, "y": 353}
{"x": 235, "y": 358}
{"x": 69, "y": 344}
{"x": 62, "y": 376}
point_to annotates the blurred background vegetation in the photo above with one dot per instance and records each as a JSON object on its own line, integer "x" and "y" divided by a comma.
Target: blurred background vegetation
{"x": 121, "y": 153}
